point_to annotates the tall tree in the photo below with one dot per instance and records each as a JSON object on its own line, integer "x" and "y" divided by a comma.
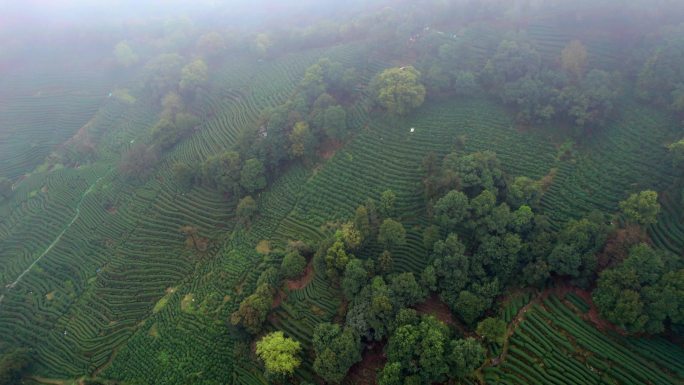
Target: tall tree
{"x": 336, "y": 350}
{"x": 642, "y": 208}
{"x": 279, "y": 353}
{"x": 574, "y": 58}
{"x": 124, "y": 54}
{"x": 252, "y": 175}
{"x": 392, "y": 234}
{"x": 194, "y": 75}
{"x": 399, "y": 89}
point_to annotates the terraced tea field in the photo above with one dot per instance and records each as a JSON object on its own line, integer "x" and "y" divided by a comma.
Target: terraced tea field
{"x": 554, "y": 345}
{"x": 100, "y": 279}
{"x": 39, "y": 111}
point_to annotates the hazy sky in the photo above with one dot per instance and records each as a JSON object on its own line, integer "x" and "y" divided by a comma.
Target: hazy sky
{"x": 89, "y": 12}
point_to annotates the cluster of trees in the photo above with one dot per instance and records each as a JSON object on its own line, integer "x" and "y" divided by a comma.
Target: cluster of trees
{"x": 13, "y": 364}
{"x": 166, "y": 76}
{"x": 398, "y": 89}
{"x": 423, "y": 350}
{"x": 661, "y": 79}
{"x": 644, "y": 293}
{"x": 296, "y": 128}
{"x": 291, "y": 131}
{"x": 502, "y": 241}
{"x": 540, "y": 91}
{"x": 641, "y": 288}
{"x": 253, "y": 309}
{"x": 484, "y": 239}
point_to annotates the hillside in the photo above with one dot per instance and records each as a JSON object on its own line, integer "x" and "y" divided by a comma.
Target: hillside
{"x": 171, "y": 209}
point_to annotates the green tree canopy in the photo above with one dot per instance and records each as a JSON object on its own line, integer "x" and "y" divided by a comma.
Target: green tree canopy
{"x": 194, "y": 75}
{"x": 574, "y": 58}
{"x": 293, "y": 265}
{"x": 336, "y": 350}
{"x": 253, "y": 310}
{"x": 124, "y": 54}
{"x": 492, "y": 330}
{"x": 466, "y": 356}
{"x": 252, "y": 175}
{"x": 246, "y": 209}
{"x": 399, "y": 89}
{"x": 392, "y": 234}
{"x": 642, "y": 208}
{"x": 279, "y": 353}
{"x": 452, "y": 209}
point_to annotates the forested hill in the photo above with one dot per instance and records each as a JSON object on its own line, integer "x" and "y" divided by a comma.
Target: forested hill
{"x": 406, "y": 192}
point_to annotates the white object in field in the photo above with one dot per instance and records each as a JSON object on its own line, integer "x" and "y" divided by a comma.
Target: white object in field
{"x": 132, "y": 141}
{"x": 412, "y": 129}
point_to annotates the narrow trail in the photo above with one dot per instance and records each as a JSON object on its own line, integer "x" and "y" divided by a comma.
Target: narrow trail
{"x": 56, "y": 240}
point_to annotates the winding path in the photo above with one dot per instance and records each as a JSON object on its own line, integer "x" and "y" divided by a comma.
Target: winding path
{"x": 57, "y": 239}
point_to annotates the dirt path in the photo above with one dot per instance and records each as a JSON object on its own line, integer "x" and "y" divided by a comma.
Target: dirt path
{"x": 304, "y": 280}
{"x": 294, "y": 284}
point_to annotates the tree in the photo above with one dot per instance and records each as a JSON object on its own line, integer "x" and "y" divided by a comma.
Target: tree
{"x": 246, "y": 210}
{"x": 166, "y": 134}
{"x": 335, "y": 122}
{"x": 641, "y": 295}
{"x": 451, "y": 209}
{"x": 336, "y": 259}
{"x": 163, "y": 72}
{"x": 185, "y": 174}
{"x": 172, "y": 104}
{"x": 253, "y": 310}
{"x": 362, "y": 222}
{"x": 194, "y": 75}
{"x": 417, "y": 349}
{"x": 138, "y": 162}
{"x": 574, "y": 58}
{"x": 279, "y": 353}
{"x": 513, "y": 60}
{"x": 387, "y": 202}
{"x": 450, "y": 269}
{"x": 351, "y": 236}
{"x": 642, "y": 208}
{"x": 492, "y": 330}
{"x": 336, "y": 350}
{"x": 293, "y": 265}
{"x": 5, "y": 188}
{"x": 398, "y": 89}
{"x": 390, "y": 374}
{"x": 355, "y": 277}
{"x": 677, "y": 152}
{"x": 524, "y": 191}
{"x": 466, "y": 356}
{"x": 405, "y": 290}
{"x": 392, "y": 234}
{"x": 263, "y": 44}
{"x": 252, "y": 175}
{"x": 470, "y": 306}
{"x": 124, "y": 54}
{"x": 301, "y": 140}
{"x": 223, "y": 171}
{"x": 565, "y": 260}
{"x": 475, "y": 172}
{"x": 211, "y": 44}
{"x": 430, "y": 236}
{"x": 385, "y": 261}
{"x": 13, "y": 365}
